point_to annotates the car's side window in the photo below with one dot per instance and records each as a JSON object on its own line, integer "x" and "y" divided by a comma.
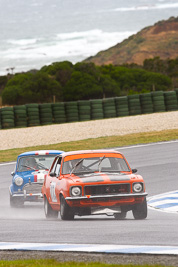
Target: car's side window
{"x": 121, "y": 165}
{"x": 53, "y": 170}
{"x": 58, "y": 166}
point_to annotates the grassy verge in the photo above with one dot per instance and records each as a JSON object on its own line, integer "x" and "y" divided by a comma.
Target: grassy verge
{"x": 96, "y": 143}
{"x": 50, "y": 263}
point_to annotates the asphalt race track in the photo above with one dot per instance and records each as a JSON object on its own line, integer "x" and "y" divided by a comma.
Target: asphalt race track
{"x": 157, "y": 163}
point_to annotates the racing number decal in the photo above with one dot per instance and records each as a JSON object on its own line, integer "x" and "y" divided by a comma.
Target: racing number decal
{"x": 52, "y": 192}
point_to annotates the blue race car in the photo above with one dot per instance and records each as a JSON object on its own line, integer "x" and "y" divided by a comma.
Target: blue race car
{"x": 28, "y": 176}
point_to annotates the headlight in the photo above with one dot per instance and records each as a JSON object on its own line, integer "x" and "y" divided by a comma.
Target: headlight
{"x": 76, "y": 191}
{"x": 18, "y": 181}
{"x": 137, "y": 187}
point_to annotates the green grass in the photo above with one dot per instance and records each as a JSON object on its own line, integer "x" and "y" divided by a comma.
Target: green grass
{"x": 50, "y": 263}
{"x": 96, "y": 143}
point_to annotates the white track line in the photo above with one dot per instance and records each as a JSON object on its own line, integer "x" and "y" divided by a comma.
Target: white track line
{"x": 151, "y": 144}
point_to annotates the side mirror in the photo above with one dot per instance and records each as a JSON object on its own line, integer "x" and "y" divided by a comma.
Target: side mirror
{"x": 134, "y": 170}
{"x": 12, "y": 173}
{"x": 52, "y": 174}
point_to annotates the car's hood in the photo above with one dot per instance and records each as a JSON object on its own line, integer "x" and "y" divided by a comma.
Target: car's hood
{"x": 101, "y": 177}
{"x": 33, "y": 176}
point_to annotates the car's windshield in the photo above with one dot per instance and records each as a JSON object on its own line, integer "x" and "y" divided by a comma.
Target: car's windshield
{"x": 36, "y": 162}
{"x": 94, "y": 164}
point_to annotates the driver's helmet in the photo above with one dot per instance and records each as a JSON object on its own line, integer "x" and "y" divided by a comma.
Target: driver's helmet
{"x": 31, "y": 162}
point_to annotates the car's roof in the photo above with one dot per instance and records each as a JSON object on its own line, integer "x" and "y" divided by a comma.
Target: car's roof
{"x": 41, "y": 152}
{"x": 90, "y": 152}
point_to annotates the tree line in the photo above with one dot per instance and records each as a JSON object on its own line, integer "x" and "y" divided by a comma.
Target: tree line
{"x": 82, "y": 81}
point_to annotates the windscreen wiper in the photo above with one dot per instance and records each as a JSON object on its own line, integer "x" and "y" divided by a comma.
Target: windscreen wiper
{"x": 99, "y": 164}
{"x": 76, "y": 165}
{"x": 28, "y": 167}
{"x": 42, "y": 166}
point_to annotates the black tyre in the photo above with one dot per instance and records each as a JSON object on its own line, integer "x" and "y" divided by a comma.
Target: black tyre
{"x": 140, "y": 210}
{"x": 32, "y": 105}
{"x": 20, "y": 108}
{"x": 84, "y": 117}
{"x": 122, "y": 109}
{"x": 159, "y": 109}
{"x": 96, "y": 116}
{"x": 33, "y": 117}
{"x": 7, "y": 120}
{"x": 7, "y": 113}
{"x": 157, "y": 93}
{"x": 45, "y": 105}
{"x": 133, "y": 97}
{"x": 59, "y": 120}
{"x": 121, "y": 100}
{"x": 46, "y": 116}
{"x": 59, "y": 112}
{"x": 7, "y": 109}
{"x": 120, "y": 216}
{"x": 66, "y": 212}
{"x": 7, "y": 125}
{"x": 122, "y": 114}
{"x": 49, "y": 212}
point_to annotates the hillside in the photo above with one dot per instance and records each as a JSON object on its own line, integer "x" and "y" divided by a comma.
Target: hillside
{"x": 159, "y": 40}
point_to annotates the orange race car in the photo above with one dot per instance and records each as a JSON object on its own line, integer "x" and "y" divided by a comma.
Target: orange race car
{"x": 93, "y": 182}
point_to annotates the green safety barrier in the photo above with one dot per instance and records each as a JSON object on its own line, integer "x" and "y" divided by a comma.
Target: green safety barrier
{"x": 84, "y": 110}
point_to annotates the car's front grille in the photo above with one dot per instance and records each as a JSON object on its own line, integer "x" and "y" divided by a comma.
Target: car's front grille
{"x": 33, "y": 188}
{"x": 106, "y": 189}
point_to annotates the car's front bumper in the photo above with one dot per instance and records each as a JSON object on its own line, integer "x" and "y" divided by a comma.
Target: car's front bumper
{"x": 23, "y": 195}
{"x": 106, "y": 200}
{"x": 108, "y": 196}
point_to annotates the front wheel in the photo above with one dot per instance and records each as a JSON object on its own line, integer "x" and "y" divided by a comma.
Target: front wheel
{"x": 140, "y": 210}
{"x": 66, "y": 211}
{"x": 49, "y": 212}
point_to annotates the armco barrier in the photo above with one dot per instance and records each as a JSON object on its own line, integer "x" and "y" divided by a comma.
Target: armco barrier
{"x": 42, "y": 114}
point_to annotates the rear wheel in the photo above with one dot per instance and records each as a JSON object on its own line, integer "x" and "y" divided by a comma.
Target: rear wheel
{"x": 140, "y": 210}
{"x": 49, "y": 212}
{"x": 66, "y": 211}
{"x": 120, "y": 216}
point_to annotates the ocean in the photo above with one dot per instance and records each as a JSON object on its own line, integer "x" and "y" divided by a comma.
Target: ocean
{"x": 35, "y": 33}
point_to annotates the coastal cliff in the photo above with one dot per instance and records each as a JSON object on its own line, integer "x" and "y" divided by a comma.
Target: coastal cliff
{"x": 159, "y": 40}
